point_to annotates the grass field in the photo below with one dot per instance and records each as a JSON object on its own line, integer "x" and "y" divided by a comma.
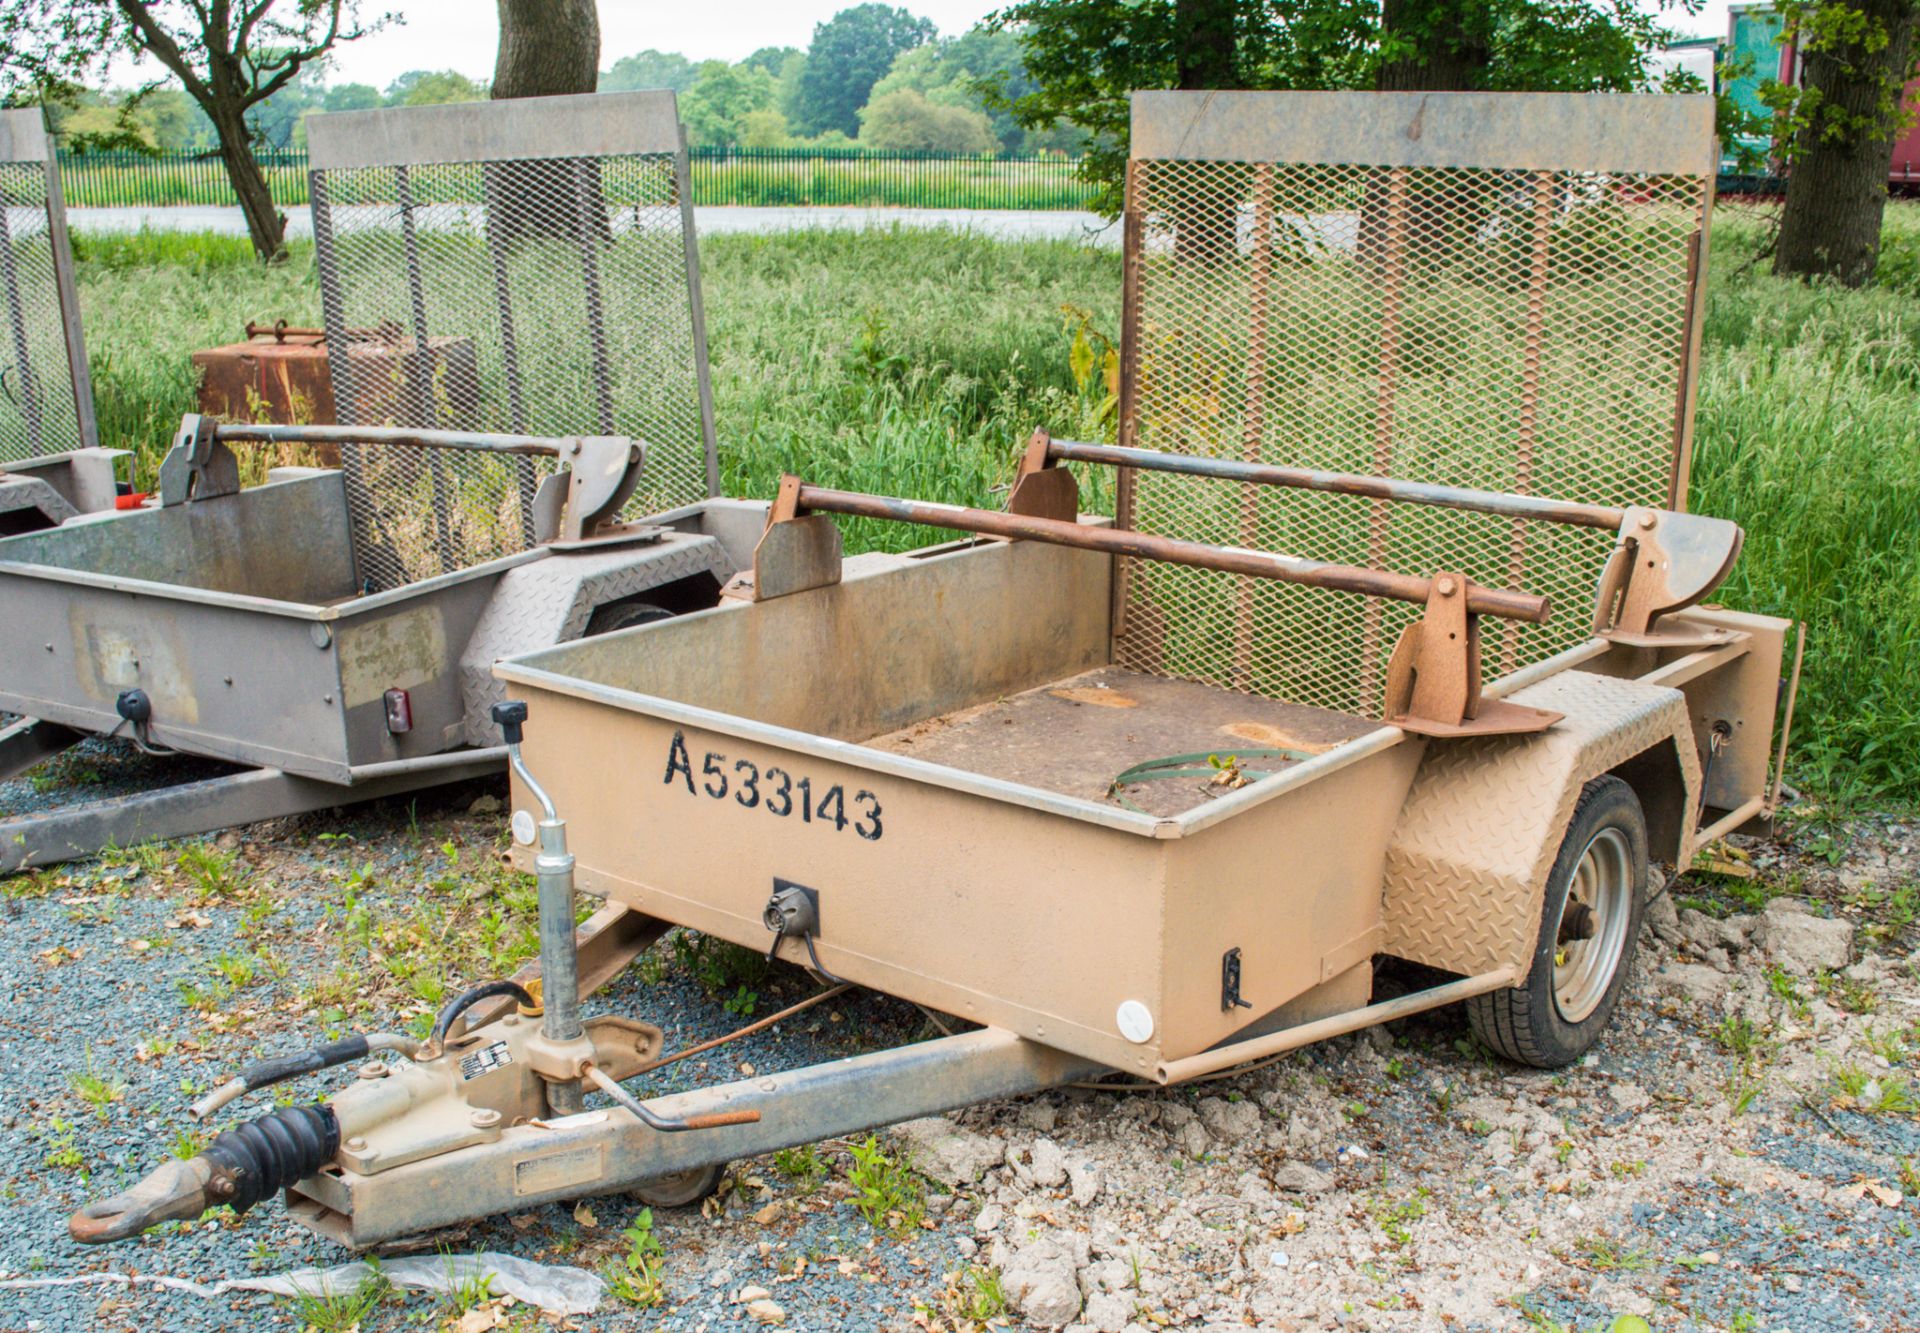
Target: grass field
{"x": 913, "y": 363}
{"x": 767, "y": 178}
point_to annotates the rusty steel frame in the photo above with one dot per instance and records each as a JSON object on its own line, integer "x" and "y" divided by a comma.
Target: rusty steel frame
{"x": 1506, "y": 603}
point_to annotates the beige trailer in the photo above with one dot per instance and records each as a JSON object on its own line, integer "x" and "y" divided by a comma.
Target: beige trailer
{"x": 1145, "y": 794}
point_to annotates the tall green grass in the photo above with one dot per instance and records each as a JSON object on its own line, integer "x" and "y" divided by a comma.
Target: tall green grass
{"x": 914, "y": 363}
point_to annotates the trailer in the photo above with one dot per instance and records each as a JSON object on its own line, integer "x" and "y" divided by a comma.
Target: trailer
{"x": 1146, "y": 797}
{"x": 517, "y": 351}
{"x": 51, "y": 466}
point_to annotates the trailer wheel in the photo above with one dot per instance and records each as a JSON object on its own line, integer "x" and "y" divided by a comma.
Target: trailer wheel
{"x": 682, "y": 1188}
{"x": 624, "y": 615}
{"x": 1589, "y": 923}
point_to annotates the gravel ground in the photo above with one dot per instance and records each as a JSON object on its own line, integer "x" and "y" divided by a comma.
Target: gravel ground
{"x": 1740, "y": 1153}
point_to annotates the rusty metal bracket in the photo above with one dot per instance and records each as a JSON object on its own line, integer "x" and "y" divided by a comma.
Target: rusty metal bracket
{"x": 1042, "y": 490}
{"x": 1433, "y": 677}
{"x": 199, "y": 466}
{"x": 798, "y": 551}
{"x": 1663, "y": 562}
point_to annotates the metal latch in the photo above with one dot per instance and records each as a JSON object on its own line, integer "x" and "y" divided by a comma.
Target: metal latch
{"x": 1230, "y": 982}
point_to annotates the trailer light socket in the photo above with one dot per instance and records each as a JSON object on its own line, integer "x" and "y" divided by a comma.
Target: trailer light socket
{"x": 399, "y": 712}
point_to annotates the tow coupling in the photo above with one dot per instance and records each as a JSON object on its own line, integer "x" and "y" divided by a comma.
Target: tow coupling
{"x": 416, "y": 1100}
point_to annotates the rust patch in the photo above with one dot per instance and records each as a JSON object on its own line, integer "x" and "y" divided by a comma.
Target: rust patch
{"x": 1277, "y": 738}
{"x": 1099, "y": 698}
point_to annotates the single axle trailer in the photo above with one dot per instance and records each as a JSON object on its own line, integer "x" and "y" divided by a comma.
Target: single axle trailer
{"x": 1147, "y": 797}
{"x": 512, "y": 303}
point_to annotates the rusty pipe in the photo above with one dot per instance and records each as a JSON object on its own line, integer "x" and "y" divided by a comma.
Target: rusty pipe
{"x": 532, "y": 446}
{"x": 666, "y": 1124}
{"x": 1343, "y": 483}
{"x": 1172, "y": 550}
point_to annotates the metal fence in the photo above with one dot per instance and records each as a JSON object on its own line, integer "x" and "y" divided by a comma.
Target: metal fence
{"x": 1500, "y": 302}
{"x": 766, "y": 177}
{"x": 46, "y": 402}
{"x": 506, "y": 266}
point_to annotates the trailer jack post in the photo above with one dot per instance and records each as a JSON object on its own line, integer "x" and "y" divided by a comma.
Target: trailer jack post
{"x": 568, "y": 1052}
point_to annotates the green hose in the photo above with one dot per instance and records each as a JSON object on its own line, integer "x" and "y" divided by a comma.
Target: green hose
{"x": 1203, "y": 764}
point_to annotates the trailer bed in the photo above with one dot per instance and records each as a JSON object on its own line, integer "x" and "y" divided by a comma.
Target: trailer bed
{"x": 1077, "y": 734}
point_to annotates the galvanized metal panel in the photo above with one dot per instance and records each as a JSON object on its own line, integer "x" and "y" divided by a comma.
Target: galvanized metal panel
{"x": 1665, "y": 135}
{"x": 524, "y": 266}
{"x": 1435, "y": 287}
{"x": 587, "y": 125}
{"x": 46, "y": 395}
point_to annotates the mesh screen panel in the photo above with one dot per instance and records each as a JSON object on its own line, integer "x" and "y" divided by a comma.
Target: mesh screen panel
{"x": 1511, "y": 330}
{"x": 548, "y": 297}
{"x": 37, "y": 414}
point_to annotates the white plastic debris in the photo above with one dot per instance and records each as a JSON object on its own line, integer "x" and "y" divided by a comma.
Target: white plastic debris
{"x": 552, "y": 1287}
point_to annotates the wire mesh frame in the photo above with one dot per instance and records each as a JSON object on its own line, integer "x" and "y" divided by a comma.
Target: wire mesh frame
{"x": 1526, "y": 330}
{"x": 553, "y": 296}
{"x": 46, "y": 395}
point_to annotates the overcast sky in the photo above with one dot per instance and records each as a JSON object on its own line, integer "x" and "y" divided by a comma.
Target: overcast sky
{"x": 462, "y": 34}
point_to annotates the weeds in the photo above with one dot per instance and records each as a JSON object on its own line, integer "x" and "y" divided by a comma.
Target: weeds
{"x": 1882, "y": 1093}
{"x": 637, "y": 1277}
{"x": 97, "y": 1091}
{"x": 886, "y": 1192}
{"x": 343, "y": 1311}
{"x": 974, "y": 1294}
{"x": 801, "y": 1165}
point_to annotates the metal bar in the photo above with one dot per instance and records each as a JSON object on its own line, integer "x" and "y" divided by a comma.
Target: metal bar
{"x": 1730, "y": 821}
{"x": 1385, "y": 393}
{"x": 798, "y": 1106}
{"x": 489, "y": 442}
{"x": 702, "y": 371}
{"x": 1529, "y": 423}
{"x": 590, "y": 220}
{"x": 81, "y": 374}
{"x": 30, "y": 742}
{"x": 604, "y": 945}
{"x": 17, "y": 323}
{"x": 420, "y": 376}
{"x": 1290, "y": 1039}
{"x": 1149, "y": 546}
{"x": 1786, "y": 721}
{"x": 339, "y": 368}
{"x": 1345, "y": 483}
{"x": 1254, "y": 426}
{"x": 1132, "y": 235}
{"x": 50, "y": 837}
{"x": 509, "y": 343}
{"x": 1694, "y": 328}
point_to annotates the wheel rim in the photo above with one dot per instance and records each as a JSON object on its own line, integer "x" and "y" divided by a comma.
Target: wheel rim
{"x": 1583, "y": 968}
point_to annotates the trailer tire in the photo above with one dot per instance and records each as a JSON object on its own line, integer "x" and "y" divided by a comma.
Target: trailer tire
{"x": 681, "y": 1189}
{"x": 1569, "y": 995}
{"x": 623, "y": 615}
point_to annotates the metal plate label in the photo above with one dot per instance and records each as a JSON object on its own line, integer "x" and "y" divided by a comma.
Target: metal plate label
{"x": 485, "y": 1061}
{"x": 558, "y": 1170}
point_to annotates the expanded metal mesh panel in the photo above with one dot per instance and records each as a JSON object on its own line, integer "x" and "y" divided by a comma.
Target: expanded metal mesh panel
{"x": 1511, "y": 330}
{"x": 37, "y": 406}
{"x": 544, "y": 296}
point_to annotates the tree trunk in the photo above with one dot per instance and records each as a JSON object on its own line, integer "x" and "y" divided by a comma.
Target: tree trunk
{"x": 266, "y": 224}
{"x": 1206, "y": 59}
{"x": 1453, "y": 45}
{"x": 1837, "y": 183}
{"x": 547, "y": 48}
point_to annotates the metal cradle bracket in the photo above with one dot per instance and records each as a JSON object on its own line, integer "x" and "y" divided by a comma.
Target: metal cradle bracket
{"x": 199, "y": 466}
{"x": 1664, "y": 561}
{"x": 1433, "y": 677}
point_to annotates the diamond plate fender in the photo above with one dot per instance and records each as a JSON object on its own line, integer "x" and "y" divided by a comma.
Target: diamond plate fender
{"x": 548, "y": 602}
{"x": 1467, "y": 865}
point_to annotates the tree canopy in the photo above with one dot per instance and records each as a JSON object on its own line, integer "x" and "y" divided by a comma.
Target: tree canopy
{"x": 850, "y": 53}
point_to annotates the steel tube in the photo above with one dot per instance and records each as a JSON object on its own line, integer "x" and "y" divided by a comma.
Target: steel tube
{"x": 487, "y": 442}
{"x": 1344, "y": 483}
{"x": 1288, "y": 1039}
{"x": 1172, "y": 550}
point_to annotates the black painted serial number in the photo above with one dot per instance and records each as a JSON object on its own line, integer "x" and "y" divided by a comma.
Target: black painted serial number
{"x": 774, "y": 790}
